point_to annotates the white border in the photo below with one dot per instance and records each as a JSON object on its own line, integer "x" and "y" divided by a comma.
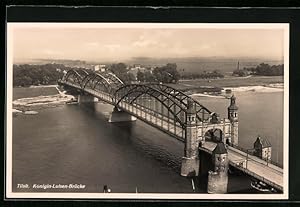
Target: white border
{"x": 10, "y": 28}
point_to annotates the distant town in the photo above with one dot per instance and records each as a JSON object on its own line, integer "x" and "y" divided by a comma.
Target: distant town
{"x": 45, "y": 72}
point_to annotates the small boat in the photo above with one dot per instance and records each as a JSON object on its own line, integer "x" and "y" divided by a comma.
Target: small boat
{"x": 228, "y": 91}
{"x": 31, "y": 112}
{"x": 262, "y": 187}
{"x": 72, "y": 101}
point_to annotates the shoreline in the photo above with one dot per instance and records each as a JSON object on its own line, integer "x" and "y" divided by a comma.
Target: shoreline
{"x": 31, "y": 105}
{"x": 216, "y": 85}
{"x": 279, "y": 87}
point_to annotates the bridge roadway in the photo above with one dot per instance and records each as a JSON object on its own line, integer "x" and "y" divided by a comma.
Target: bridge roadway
{"x": 151, "y": 117}
{"x": 253, "y": 166}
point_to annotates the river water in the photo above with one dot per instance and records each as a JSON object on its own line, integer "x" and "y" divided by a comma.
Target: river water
{"x": 75, "y": 144}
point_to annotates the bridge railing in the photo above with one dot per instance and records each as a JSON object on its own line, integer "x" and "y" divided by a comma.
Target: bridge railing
{"x": 261, "y": 178}
{"x": 248, "y": 151}
{"x": 251, "y": 152}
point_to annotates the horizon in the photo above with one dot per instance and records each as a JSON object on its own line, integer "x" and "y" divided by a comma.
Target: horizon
{"x": 125, "y": 42}
{"x": 206, "y": 59}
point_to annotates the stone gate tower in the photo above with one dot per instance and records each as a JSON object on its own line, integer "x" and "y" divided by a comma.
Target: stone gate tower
{"x": 190, "y": 161}
{"x": 218, "y": 178}
{"x": 233, "y": 117}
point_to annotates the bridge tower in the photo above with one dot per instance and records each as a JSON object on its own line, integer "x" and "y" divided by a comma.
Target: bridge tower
{"x": 263, "y": 148}
{"x": 190, "y": 161}
{"x": 233, "y": 117}
{"x": 218, "y": 178}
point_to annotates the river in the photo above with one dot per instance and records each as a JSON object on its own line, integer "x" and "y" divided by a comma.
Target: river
{"x": 75, "y": 144}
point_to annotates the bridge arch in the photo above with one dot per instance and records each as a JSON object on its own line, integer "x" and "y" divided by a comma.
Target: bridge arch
{"x": 202, "y": 113}
{"x": 139, "y": 94}
{"x": 97, "y": 81}
{"x": 114, "y": 79}
{"x": 214, "y": 135}
{"x": 73, "y": 76}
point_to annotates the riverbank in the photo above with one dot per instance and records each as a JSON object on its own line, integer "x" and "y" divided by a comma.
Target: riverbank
{"x": 34, "y": 91}
{"x": 33, "y": 102}
{"x": 39, "y": 97}
{"x": 214, "y": 86}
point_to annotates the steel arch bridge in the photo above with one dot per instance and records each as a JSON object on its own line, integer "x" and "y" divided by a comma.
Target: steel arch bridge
{"x": 173, "y": 112}
{"x": 159, "y": 105}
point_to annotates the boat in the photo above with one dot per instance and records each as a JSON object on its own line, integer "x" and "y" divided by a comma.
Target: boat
{"x": 262, "y": 187}
{"x": 72, "y": 101}
{"x": 228, "y": 91}
{"x": 31, "y": 112}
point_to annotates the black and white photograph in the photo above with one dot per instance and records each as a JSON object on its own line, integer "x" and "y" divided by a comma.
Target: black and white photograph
{"x": 147, "y": 110}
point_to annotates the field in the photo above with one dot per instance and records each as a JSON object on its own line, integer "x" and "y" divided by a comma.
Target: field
{"x": 33, "y": 92}
{"x": 199, "y": 85}
{"x": 227, "y": 82}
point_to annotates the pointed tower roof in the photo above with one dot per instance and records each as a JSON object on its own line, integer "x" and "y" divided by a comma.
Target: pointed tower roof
{"x": 190, "y": 106}
{"x": 220, "y": 148}
{"x": 263, "y": 142}
{"x": 233, "y": 106}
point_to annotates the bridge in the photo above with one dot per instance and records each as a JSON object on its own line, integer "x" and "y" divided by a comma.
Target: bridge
{"x": 183, "y": 118}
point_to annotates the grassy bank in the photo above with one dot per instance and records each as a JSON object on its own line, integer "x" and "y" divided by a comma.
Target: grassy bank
{"x": 37, "y": 98}
{"x": 213, "y": 85}
{"x": 27, "y": 92}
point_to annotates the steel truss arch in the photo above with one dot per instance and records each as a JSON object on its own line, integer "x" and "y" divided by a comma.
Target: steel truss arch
{"x": 182, "y": 97}
{"x": 123, "y": 94}
{"x": 116, "y": 80}
{"x": 75, "y": 74}
{"x": 178, "y": 98}
{"x": 94, "y": 79}
{"x": 83, "y": 78}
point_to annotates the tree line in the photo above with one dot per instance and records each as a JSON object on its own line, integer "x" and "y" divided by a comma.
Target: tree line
{"x": 262, "y": 69}
{"x": 164, "y": 74}
{"x": 27, "y": 75}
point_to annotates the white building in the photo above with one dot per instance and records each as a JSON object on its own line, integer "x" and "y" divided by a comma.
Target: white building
{"x": 100, "y": 68}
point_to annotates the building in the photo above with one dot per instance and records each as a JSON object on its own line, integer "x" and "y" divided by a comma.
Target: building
{"x": 100, "y": 68}
{"x": 262, "y": 148}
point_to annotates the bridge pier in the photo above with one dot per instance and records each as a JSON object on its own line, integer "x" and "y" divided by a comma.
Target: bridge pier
{"x": 218, "y": 179}
{"x": 120, "y": 116}
{"x": 86, "y": 99}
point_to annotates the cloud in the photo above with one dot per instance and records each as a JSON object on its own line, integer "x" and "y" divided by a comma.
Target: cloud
{"x": 145, "y": 43}
{"x": 112, "y": 47}
{"x": 154, "y": 40}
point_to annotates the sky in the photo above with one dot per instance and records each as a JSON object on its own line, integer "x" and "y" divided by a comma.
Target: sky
{"x": 99, "y": 43}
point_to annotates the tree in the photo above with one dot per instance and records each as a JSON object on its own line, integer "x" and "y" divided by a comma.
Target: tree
{"x": 149, "y": 76}
{"x": 239, "y": 72}
{"x": 119, "y": 68}
{"x": 140, "y": 76}
{"x": 167, "y": 73}
{"x": 26, "y": 75}
{"x": 265, "y": 69}
{"x": 129, "y": 77}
